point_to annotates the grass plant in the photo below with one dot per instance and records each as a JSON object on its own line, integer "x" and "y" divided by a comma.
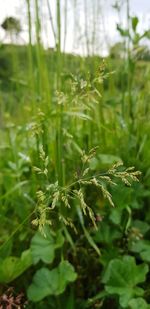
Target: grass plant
{"x": 74, "y": 217}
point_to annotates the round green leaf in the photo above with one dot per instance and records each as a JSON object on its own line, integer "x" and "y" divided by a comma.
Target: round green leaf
{"x": 122, "y": 277}
{"x": 43, "y": 247}
{"x": 12, "y": 266}
{"x": 54, "y": 282}
{"x": 137, "y": 303}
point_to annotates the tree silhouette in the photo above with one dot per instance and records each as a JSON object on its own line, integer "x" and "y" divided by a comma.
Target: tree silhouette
{"x": 12, "y": 28}
{"x": 11, "y": 25}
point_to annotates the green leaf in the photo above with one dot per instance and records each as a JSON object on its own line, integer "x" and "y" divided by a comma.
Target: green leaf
{"x": 106, "y": 234}
{"x": 142, "y": 226}
{"x": 123, "y": 32}
{"x": 137, "y": 303}
{"x": 135, "y": 21}
{"x": 5, "y": 249}
{"x": 12, "y": 267}
{"x": 116, "y": 215}
{"x": 54, "y": 282}
{"x": 43, "y": 247}
{"x": 109, "y": 253}
{"x": 143, "y": 248}
{"x": 121, "y": 278}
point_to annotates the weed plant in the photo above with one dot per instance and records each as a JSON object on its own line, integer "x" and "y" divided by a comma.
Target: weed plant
{"x": 74, "y": 218}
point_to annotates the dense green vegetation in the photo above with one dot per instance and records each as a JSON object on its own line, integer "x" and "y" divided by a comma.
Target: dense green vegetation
{"x": 74, "y": 176}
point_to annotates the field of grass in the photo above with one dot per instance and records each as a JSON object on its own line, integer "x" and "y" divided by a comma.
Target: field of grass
{"x": 74, "y": 177}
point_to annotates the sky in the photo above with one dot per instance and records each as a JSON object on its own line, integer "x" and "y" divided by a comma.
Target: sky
{"x": 107, "y": 21}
